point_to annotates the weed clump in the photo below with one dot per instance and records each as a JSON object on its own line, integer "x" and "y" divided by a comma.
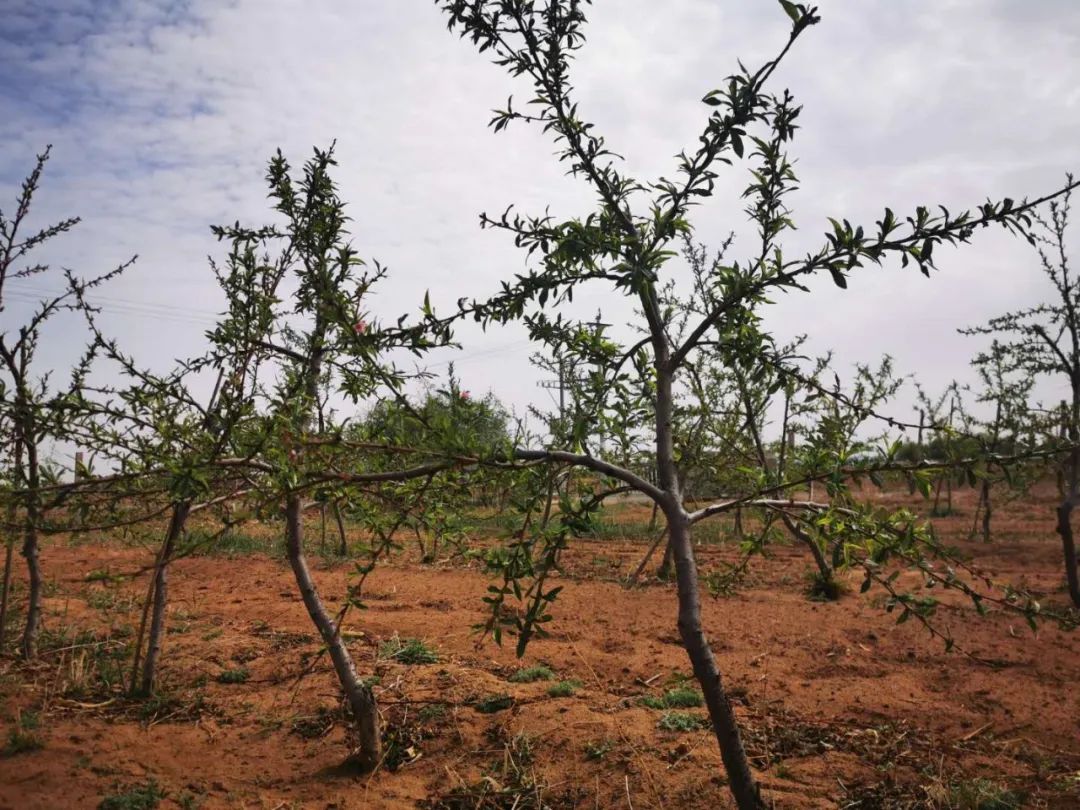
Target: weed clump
{"x": 238, "y": 675}
{"x": 681, "y": 697}
{"x": 143, "y": 797}
{"x": 532, "y": 674}
{"x": 563, "y": 689}
{"x": 408, "y": 651}
{"x": 22, "y": 737}
{"x": 493, "y": 703}
{"x": 681, "y": 721}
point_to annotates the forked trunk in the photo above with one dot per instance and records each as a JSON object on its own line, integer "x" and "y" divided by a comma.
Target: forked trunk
{"x": 725, "y": 727}
{"x": 161, "y": 595}
{"x": 360, "y": 697}
{"x": 825, "y": 571}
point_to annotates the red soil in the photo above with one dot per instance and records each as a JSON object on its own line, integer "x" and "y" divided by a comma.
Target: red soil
{"x": 841, "y": 706}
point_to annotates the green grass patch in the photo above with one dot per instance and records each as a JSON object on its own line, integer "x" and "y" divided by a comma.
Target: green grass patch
{"x": 201, "y": 543}
{"x": 493, "y": 703}
{"x": 563, "y": 689}
{"x": 532, "y": 674}
{"x": 682, "y": 721}
{"x": 408, "y": 651}
{"x": 143, "y": 797}
{"x": 681, "y": 697}
{"x": 237, "y": 675}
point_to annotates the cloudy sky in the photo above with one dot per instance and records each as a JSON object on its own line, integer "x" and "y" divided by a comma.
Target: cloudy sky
{"x": 162, "y": 114}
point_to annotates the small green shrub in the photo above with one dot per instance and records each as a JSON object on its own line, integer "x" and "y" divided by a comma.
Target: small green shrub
{"x": 408, "y": 651}
{"x": 493, "y": 703}
{"x": 21, "y": 738}
{"x": 238, "y": 675}
{"x": 563, "y": 689}
{"x": 21, "y": 742}
{"x": 230, "y": 544}
{"x": 144, "y": 797}
{"x": 681, "y": 721}
{"x": 531, "y": 674}
{"x": 681, "y": 697}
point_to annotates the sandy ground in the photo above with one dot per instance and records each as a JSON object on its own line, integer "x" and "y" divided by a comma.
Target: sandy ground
{"x": 841, "y": 706}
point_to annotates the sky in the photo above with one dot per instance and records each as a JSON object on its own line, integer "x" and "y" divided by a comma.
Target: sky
{"x": 163, "y": 113}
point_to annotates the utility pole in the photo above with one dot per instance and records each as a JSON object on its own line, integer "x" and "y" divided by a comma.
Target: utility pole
{"x": 561, "y": 383}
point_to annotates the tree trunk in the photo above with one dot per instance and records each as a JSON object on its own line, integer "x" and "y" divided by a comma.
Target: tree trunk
{"x": 360, "y": 697}
{"x": 988, "y": 511}
{"x": 1064, "y": 528}
{"x": 9, "y": 553}
{"x": 648, "y": 556}
{"x": 740, "y": 778}
{"x": 937, "y": 498}
{"x": 31, "y": 553}
{"x": 824, "y": 569}
{"x": 161, "y": 596}
{"x": 322, "y": 528}
{"x": 664, "y": 571}
{"x": 725, "y": 727}
{"x": 343, "y": 547}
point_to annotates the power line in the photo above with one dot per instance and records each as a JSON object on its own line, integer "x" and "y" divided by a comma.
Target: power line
{"x": 123, "y": 306}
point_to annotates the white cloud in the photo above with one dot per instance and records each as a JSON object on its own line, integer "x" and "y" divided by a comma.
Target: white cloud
{"x": 164, "y": 114}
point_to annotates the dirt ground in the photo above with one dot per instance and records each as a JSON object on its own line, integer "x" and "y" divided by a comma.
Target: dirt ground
{"x": 841, "y": 706}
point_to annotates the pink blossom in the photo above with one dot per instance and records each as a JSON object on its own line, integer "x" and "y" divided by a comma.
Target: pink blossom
{"x": 360, "y": 327}
{"x": 465, "y": 395}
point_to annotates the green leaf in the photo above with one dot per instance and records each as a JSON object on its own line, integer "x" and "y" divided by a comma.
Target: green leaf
{"x": 838, "y": 278}
{"x": 792, "y": 10}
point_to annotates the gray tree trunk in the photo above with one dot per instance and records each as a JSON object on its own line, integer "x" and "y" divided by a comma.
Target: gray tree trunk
{"x": 359, "y": 696}
{"x": 161, "y": 596}
{"x": 30, "y": 551}
{"x": 740, "y": 778}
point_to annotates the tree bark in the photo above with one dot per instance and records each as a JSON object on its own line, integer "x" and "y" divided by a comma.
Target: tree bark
{"x": 30, "y": 551}
{"x": 648, "y": 556}
{"x": 9, "y": 553}
{"x": 824, "y": 569}
{"x": 161, "y": 595}
{"x": 725, "y": 726}
{"x": 664, "y": 571}
{"x": 360, "y": 697}
{"x": 343, "y": 547}
{"x": 988, "y": 511}
{"x": 1064, "y": 528}
{"x": 740, "y": 778}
